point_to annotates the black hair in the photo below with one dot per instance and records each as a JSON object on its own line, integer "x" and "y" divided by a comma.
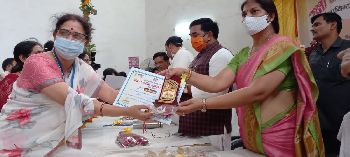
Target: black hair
{"x": 161, "y": 54}
{"x": 82, "y": 55}
{"x": 84, "y": 23}
{"x": 175, "y": 40}
{"x": 109, "y": 71}
{"x": 122, "y": 74}
{"x": 270, "y": 7}
{"x": 330, "y": 17}
{"x": 207, "y": 25}
{"x": 48, "y": 46}
{"x": 7, "y": 62}
{"x": 24, "y": 49}
{"x": 153, "y": 70}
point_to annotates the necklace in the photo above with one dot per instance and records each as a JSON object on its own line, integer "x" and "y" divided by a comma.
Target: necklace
{"x": 255, "y": 49}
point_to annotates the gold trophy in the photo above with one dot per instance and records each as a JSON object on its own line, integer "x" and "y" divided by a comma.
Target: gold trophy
{"x": 169, "y": 93}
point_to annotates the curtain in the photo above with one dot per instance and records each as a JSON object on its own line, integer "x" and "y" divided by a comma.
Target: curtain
{"x": 287, "y": 17}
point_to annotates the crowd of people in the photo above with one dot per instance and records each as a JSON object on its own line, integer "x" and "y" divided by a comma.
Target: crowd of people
{"x": 285, "y": 103}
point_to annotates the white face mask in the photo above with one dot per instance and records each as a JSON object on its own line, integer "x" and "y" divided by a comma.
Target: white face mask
{"x": 255, "y": 24}
{"x": 68, "y": 49}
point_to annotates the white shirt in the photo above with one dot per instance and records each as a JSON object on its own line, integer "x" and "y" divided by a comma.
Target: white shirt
{"x": 344, "y": 136}
{"x": 182, "y": 59}
{"x": 217, "y": 63}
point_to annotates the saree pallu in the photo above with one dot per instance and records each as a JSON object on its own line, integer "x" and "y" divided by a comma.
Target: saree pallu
{"x": 297, "y": 133}
{"x": 31, "y": 124}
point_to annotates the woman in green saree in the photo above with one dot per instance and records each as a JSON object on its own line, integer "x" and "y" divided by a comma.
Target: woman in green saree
{"x": 276, "y": 95}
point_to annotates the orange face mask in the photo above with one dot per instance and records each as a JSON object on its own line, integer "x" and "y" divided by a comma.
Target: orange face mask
{"x": 198, "y": 43}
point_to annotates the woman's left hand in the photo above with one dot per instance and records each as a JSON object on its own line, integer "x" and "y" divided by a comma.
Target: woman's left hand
{"x": 189, "y": 106}
{"x": 135, "y": 111}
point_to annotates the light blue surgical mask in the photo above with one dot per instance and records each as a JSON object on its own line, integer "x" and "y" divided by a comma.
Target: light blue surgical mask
{"x": 68, "y": 49}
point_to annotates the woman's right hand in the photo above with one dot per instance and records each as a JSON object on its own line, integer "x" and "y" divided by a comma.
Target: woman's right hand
{"x": 343, "y": 53}
{"x": 135, "y": 112}
{"x": 173, "y": 71}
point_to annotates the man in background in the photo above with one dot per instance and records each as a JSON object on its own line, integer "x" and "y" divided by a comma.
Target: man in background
{"x": 161, "y": 61}
{"x": 180, "y": 57}
{"x": 211, "y": 59}
{"x": 333, "y": 100}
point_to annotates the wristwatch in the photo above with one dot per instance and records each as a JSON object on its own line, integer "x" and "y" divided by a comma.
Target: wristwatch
{"x": 204, "y": 107}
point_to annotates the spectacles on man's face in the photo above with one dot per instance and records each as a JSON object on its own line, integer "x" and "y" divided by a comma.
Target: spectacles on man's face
{"x": 75, "y": 35}
{"x": 196, "y": 34}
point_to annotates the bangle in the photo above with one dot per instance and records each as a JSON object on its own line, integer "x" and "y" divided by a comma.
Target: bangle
{"x": 101, "y": 108}
{"x": 204, "y": 107}
{"x": 189, "y": 74}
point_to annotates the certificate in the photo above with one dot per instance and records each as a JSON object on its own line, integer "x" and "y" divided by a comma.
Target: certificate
{"x": 140, "y": 88}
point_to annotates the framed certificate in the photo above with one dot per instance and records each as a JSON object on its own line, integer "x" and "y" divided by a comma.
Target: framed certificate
{"x": 140, "y": 87}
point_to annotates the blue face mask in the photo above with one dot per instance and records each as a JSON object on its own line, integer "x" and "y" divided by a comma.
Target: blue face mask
{"x": 68, "y": 49}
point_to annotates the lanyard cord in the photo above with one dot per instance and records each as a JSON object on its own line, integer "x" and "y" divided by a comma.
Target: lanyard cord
{"x": 59, "y": 63}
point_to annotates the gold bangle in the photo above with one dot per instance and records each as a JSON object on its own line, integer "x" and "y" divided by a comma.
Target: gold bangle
{"x": 101, "y": 109}
{"x": 204, "y": 107}
{"x": 189, "y": 74}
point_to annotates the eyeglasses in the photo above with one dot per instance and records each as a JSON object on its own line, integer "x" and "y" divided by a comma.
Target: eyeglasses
{"x": 75, "y": 35}
{"x": 195, "y": 34}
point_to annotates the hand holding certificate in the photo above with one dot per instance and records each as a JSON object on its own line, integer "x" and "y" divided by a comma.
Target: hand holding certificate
{"x": 143, "y": 87}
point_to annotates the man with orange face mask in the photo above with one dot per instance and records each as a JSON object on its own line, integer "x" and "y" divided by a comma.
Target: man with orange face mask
{"x": 211, "y": 59}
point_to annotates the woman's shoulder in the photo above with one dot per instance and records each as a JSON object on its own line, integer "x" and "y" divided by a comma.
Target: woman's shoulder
{"x": 37, "y": 70}
{"x": 242, "y": 52}
{"x": 39, "y": 63}
{"x": 40, "y": 58}
{"x": 44, "y": 55}
{"x": 12, "y": 77}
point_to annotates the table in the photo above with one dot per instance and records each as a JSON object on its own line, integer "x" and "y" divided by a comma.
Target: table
{"x": 100, "y": 141}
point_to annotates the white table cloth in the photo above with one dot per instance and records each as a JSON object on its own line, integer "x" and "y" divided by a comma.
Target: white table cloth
{"x": 100, "y": 141}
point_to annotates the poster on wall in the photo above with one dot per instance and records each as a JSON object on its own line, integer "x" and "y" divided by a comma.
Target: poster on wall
{"x": 341, "y": 7}
{"x": 134, "y": 62}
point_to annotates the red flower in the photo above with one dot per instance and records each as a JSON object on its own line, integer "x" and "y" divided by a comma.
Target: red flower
{"x": 17, "y": 152}
{"x": 22, "y": 115}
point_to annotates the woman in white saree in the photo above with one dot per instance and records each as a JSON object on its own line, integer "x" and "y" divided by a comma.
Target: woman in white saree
{"x": 55, "y": 92}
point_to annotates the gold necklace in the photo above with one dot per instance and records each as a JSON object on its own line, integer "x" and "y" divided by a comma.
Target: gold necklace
{"x": 254, "y": 49}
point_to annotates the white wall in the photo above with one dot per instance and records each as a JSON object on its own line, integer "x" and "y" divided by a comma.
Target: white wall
{"x": 163, "y": 15}
{"x": 304, "y": 23}
{"x": 21, "y": 19}
{"x": 120, "y": 29}
{"x": 120, "y": 32}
